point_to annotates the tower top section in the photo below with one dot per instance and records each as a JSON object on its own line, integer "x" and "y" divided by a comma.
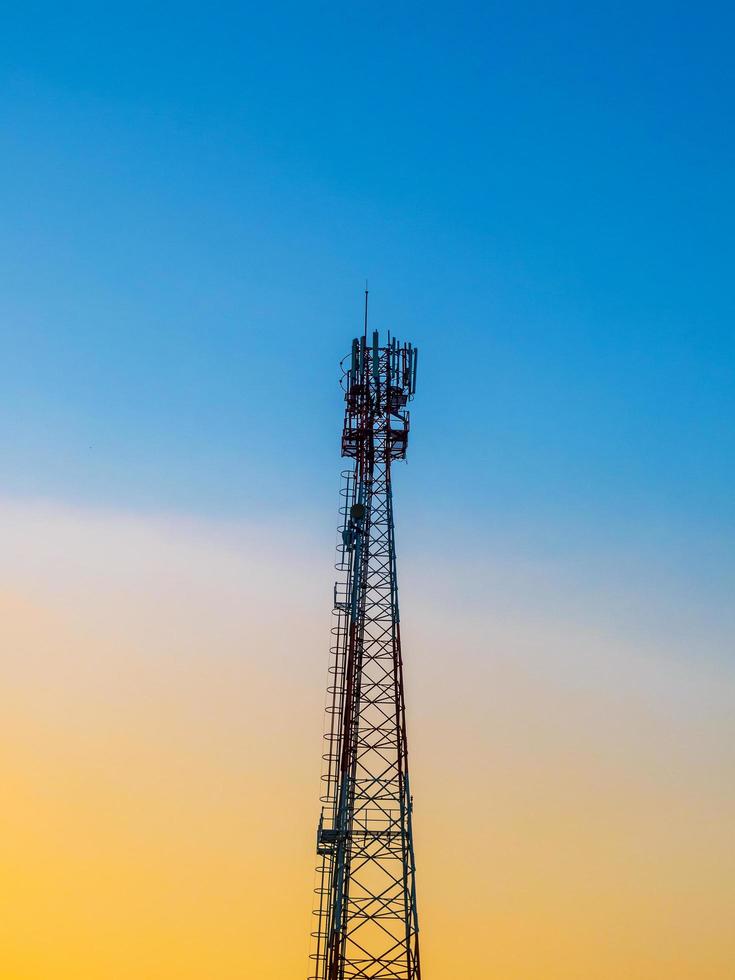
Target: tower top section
{"x": 378, "y": 380}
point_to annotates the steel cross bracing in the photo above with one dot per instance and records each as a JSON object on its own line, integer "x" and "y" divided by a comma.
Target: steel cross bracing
{"x": 367, "y": 925}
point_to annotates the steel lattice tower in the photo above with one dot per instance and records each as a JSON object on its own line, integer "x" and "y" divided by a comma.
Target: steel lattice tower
{"x": 367, "y": 925}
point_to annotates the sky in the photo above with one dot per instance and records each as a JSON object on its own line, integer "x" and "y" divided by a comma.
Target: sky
{"x": 541, "y": 198}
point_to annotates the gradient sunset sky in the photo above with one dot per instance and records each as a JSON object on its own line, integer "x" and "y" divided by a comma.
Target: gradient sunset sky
{"x": 542, "y": 198}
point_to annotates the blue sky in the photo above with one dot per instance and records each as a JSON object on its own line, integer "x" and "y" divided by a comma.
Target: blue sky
{"x": 541, "y": 196}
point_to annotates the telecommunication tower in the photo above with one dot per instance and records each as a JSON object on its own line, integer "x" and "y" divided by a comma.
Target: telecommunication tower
{"x": 366, "y": 919}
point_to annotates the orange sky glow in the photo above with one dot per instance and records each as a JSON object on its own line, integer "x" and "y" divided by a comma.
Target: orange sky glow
{"x": 161, "y": 718}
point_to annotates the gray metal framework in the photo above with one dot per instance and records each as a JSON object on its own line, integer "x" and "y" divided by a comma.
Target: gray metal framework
{"x": 366, "y": 919}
